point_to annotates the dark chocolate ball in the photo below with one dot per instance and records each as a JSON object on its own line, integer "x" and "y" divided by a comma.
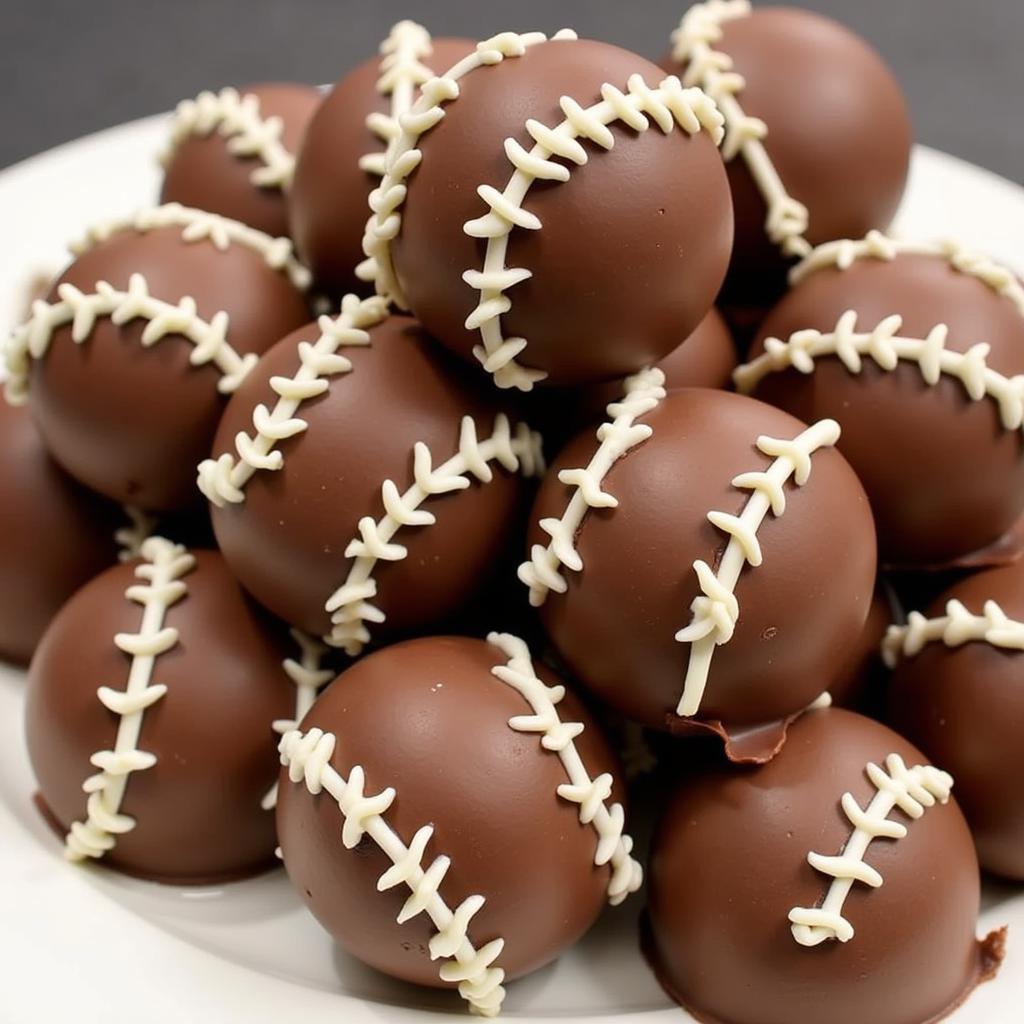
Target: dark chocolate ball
{"x": 170, "y": 638}
{"x": 941, "y": 463}
{"x": 118, "y": 394}
{"x": 730, "y": 864}
{"x": 233, "y": 152}
{"x": 955, "y": 691}
{"x": 452, "y": 762}
{"x": 594, "y": 262}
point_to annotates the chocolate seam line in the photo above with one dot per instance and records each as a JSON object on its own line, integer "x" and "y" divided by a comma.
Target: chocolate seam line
{"x": 608, "y": 820}
{"x": 787, "y": 219}
{"x": 716, "y": 609}
{"x": 130, "y": 537}
{"x": 349, "y": 606}
{"x": 162, "y": 571}
{"x": 81, "y": 310}
{"x": 844, "y": 252}
{"x": 307, "y": 757}
{"x": 887, "y": 348}
{"x": 543, "y": 571}
{"x": 222, "y": 480}
{"x": 246, "y": 132}
{"x": 957, "y": 627}
{"x": 669, "y": 105}
{"x": 912, "y": 790}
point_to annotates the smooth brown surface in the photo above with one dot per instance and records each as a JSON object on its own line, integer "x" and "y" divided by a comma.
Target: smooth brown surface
{"x": 429, "y": 719}
{"x": 633, "y": 247}
{"x": 801, "y": 612}
{"x": 863, "y": 686}
{"x": 943, "y": 475}
{"x": 54, "y": 536}
{"x": 730, "y": 862}
{"x": 329, "y": 200}
{"x": 964, "y": 706}
{"x": 197, "y": 809}
{"x": 287, "y": 541}
{"x": 133, "y": 422}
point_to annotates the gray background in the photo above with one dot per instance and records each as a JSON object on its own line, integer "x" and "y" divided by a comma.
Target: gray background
{"x": 68, "y": 67}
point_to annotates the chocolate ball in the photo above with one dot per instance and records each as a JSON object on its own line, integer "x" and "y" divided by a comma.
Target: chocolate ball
{"x": 149, "y": 719}
{"x": 863, "y": 686}
{"x": 450, "y": 774}
{"x": 54, "y": 536}
{"x": 647, "y": 568}
{"x": 131, "y": 355}
{"x": 955, "y": 691}
{"x": 610, "y": 239}
{"x": 817, "y": 138}
{"x": 934, "y": 436}
{"x": 233, "y": 152}
{"x": 743, "y": 860}
{"x": 390, "y": 487}
{"x": 342, "y": 156}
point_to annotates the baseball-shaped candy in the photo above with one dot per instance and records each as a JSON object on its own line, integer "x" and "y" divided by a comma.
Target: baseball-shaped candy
{"x": 836, "y": 883}
{"x": 131, "y": 356}
{"x": 554, "y": 210}
{"x": 956, "y": 692}
{"x": 232, "y": 152}
{"x": 917, "y": 351}
{"x": 450, "y": 814}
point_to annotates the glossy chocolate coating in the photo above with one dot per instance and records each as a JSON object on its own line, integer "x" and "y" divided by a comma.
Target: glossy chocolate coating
{"x": 198, "y": 812}
{"x": 964, "y": 706}
{"x": 428, "y": 718}
{"x": 801, "y": 612}
{"x": 863, "y": 686}
{"x": 943, "y": 475}
{"x": 131, "y": 421}
{"x": 633, "y": 246}
{"x": 730, "y": 862}
{"x": 204, "y": 173}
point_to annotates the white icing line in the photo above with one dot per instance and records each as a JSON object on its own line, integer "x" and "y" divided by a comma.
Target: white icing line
{"x": 542, "y": 572}
{"x": 887, "y": 348}
{"x": 912, "y": 790}
{"x": 716, "y": 609}
{"x": 701, "y": 26}
{"x": 608, "y": 820}
{"x": 246, "y": 132}
{"x": 165, "y": 565}
{"x": 669, "y": 105}
{"x": 134, "y": 533}
{"x": 222, "y": 480}
{"x": 349, "y": 606}
{"x": 307, "y": 757}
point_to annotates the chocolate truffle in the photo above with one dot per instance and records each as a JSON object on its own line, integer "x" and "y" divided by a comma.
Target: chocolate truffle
{"x": 361, "y": 480}
{"x": 836, "y": 883}
{"x": 233, "y": 152}
{"x": 150, "y": 719}
{"x": 956, "y": 692}
{"x": 342, "y": 156}
{"x": 447, "y": 799}
{"x": 129, "y": 359}
{"x": 817, "y": 134}
{"x": 54, "y": 536}
{"x": 554, "y": 210}
{"x": 916, "y": 350}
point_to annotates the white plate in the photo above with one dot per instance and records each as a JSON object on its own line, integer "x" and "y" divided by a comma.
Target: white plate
{"x": 90, "y": 946}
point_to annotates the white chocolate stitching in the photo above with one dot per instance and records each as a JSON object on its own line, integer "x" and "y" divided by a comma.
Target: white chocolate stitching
{"x": 162, "y": 571}
{"x": 542, "y": 572}
{"x": 887, "y": 348}
{"x": 349, "y": 606}
{"x": 130, "y": 537}
{"x": 307, "y": 757}
{"x": 787, "y": 220}
{"x": 668, "y": 105}
{"x": 222, "y": 480}
{"x": 716, "y": 609}
{"x": 912, "y": 790}
{"x": 608, "y": 820}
